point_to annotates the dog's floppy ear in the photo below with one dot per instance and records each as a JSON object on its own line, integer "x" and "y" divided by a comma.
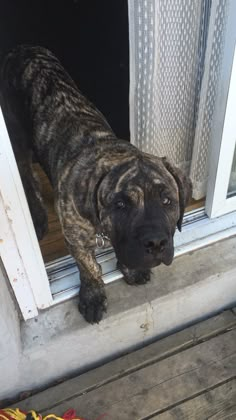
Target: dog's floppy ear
{"x": 184, "y": 186}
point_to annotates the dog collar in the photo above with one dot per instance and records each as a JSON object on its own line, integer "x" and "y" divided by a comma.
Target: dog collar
{"x": 100, "y": 240}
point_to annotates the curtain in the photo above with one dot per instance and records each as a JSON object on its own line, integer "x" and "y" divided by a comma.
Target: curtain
{"x": 175, "y": 59}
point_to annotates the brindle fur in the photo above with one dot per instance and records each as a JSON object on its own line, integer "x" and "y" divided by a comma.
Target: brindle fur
{"x": 91, "y": 171}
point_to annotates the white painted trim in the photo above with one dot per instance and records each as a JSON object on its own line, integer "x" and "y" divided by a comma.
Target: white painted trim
{"x": 221, "y": 204}
{"x": 19, "y": 248}
{"x": 201, "y": 228}
{"x": 201, "y": 233}
{"x": 223, "y": 127}
{"x": 14, "y": 264}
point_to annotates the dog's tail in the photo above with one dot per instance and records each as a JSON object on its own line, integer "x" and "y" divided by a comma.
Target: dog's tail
{"x": 2, "y": 58}
{"x": 2, "y": 55}
{"x": 9, "y": 69}
{"x": 3, "y": 69}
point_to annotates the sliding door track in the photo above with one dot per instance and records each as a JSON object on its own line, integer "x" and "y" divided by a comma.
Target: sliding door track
{"x": 198, "y": 231}
{"x": 64, "y": 278}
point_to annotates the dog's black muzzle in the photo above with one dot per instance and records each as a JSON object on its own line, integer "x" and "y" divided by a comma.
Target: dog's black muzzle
{"x": 148, "y": 248}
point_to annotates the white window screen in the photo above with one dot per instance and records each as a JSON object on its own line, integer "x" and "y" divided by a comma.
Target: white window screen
{"x": 175, "y": 59}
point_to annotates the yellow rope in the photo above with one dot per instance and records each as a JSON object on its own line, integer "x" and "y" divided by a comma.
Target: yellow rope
{"x": 17, "y": 414}
{"x": 13, "y": 414}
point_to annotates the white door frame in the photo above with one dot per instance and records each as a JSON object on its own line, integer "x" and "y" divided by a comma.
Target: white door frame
{"x": 220, "y": 204}
{"x": 19, "y": 248}
{"x": 224, "y": 127}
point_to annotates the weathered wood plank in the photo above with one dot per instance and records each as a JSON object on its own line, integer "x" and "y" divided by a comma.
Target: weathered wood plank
{"x": 160, "y": 385}
{"x": 217, "y": 404}
{"x": 131, "y": 362}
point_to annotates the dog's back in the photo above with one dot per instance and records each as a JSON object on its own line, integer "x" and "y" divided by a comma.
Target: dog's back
{"x": 43, "y": 108}
{"x": 37, "y": 77}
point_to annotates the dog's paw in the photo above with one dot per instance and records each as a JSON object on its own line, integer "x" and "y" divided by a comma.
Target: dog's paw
{"x": 135, "y": 277}
{"x": 92, "y": 301}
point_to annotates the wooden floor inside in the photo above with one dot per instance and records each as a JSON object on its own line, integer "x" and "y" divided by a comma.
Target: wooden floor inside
{"x": 190, "y": 375}
{"x": 53, "y": 245}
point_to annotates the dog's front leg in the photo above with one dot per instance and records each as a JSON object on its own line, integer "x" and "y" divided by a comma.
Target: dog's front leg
{"x": 80, "y": 238}
{"x": 92, "y": 296}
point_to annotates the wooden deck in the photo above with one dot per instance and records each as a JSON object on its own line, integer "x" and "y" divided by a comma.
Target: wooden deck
{"x": 188, "y": 375}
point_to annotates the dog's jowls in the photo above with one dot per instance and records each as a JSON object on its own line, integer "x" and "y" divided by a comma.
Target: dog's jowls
{"x": 102, "y": 185}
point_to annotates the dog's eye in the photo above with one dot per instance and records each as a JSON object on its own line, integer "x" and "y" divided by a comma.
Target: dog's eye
{"x": 120, "y": 204}
{"x": 166, "y": 201}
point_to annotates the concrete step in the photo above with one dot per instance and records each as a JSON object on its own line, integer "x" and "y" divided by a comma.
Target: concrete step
{"x": 60, "y": 343}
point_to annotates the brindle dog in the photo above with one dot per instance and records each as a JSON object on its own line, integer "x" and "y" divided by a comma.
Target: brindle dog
{"x": 102, "y": 185}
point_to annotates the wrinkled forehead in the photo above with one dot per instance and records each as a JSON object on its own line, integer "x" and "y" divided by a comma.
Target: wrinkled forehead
{"x": 141, "y": 182}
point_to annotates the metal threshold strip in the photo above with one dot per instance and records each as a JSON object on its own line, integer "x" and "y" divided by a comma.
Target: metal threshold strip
{"x": 63, "y": 273}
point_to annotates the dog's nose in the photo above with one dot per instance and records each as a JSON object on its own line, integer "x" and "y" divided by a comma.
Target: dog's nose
{"x": 155, "y": 244}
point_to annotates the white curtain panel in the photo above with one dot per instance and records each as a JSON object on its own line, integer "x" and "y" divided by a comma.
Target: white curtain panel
{"x": 175, "y": 56}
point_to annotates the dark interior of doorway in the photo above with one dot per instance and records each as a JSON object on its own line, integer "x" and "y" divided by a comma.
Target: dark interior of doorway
{"x": 90, "y": 38}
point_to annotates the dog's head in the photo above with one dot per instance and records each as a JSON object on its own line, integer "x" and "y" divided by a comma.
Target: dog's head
{"x": 140, "y": 203}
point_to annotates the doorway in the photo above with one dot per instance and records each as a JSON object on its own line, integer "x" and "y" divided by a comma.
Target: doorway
{"x": 91, "y": 40}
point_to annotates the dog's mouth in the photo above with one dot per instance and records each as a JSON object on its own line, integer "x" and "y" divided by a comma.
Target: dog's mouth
{"x": 139, "y": 261}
